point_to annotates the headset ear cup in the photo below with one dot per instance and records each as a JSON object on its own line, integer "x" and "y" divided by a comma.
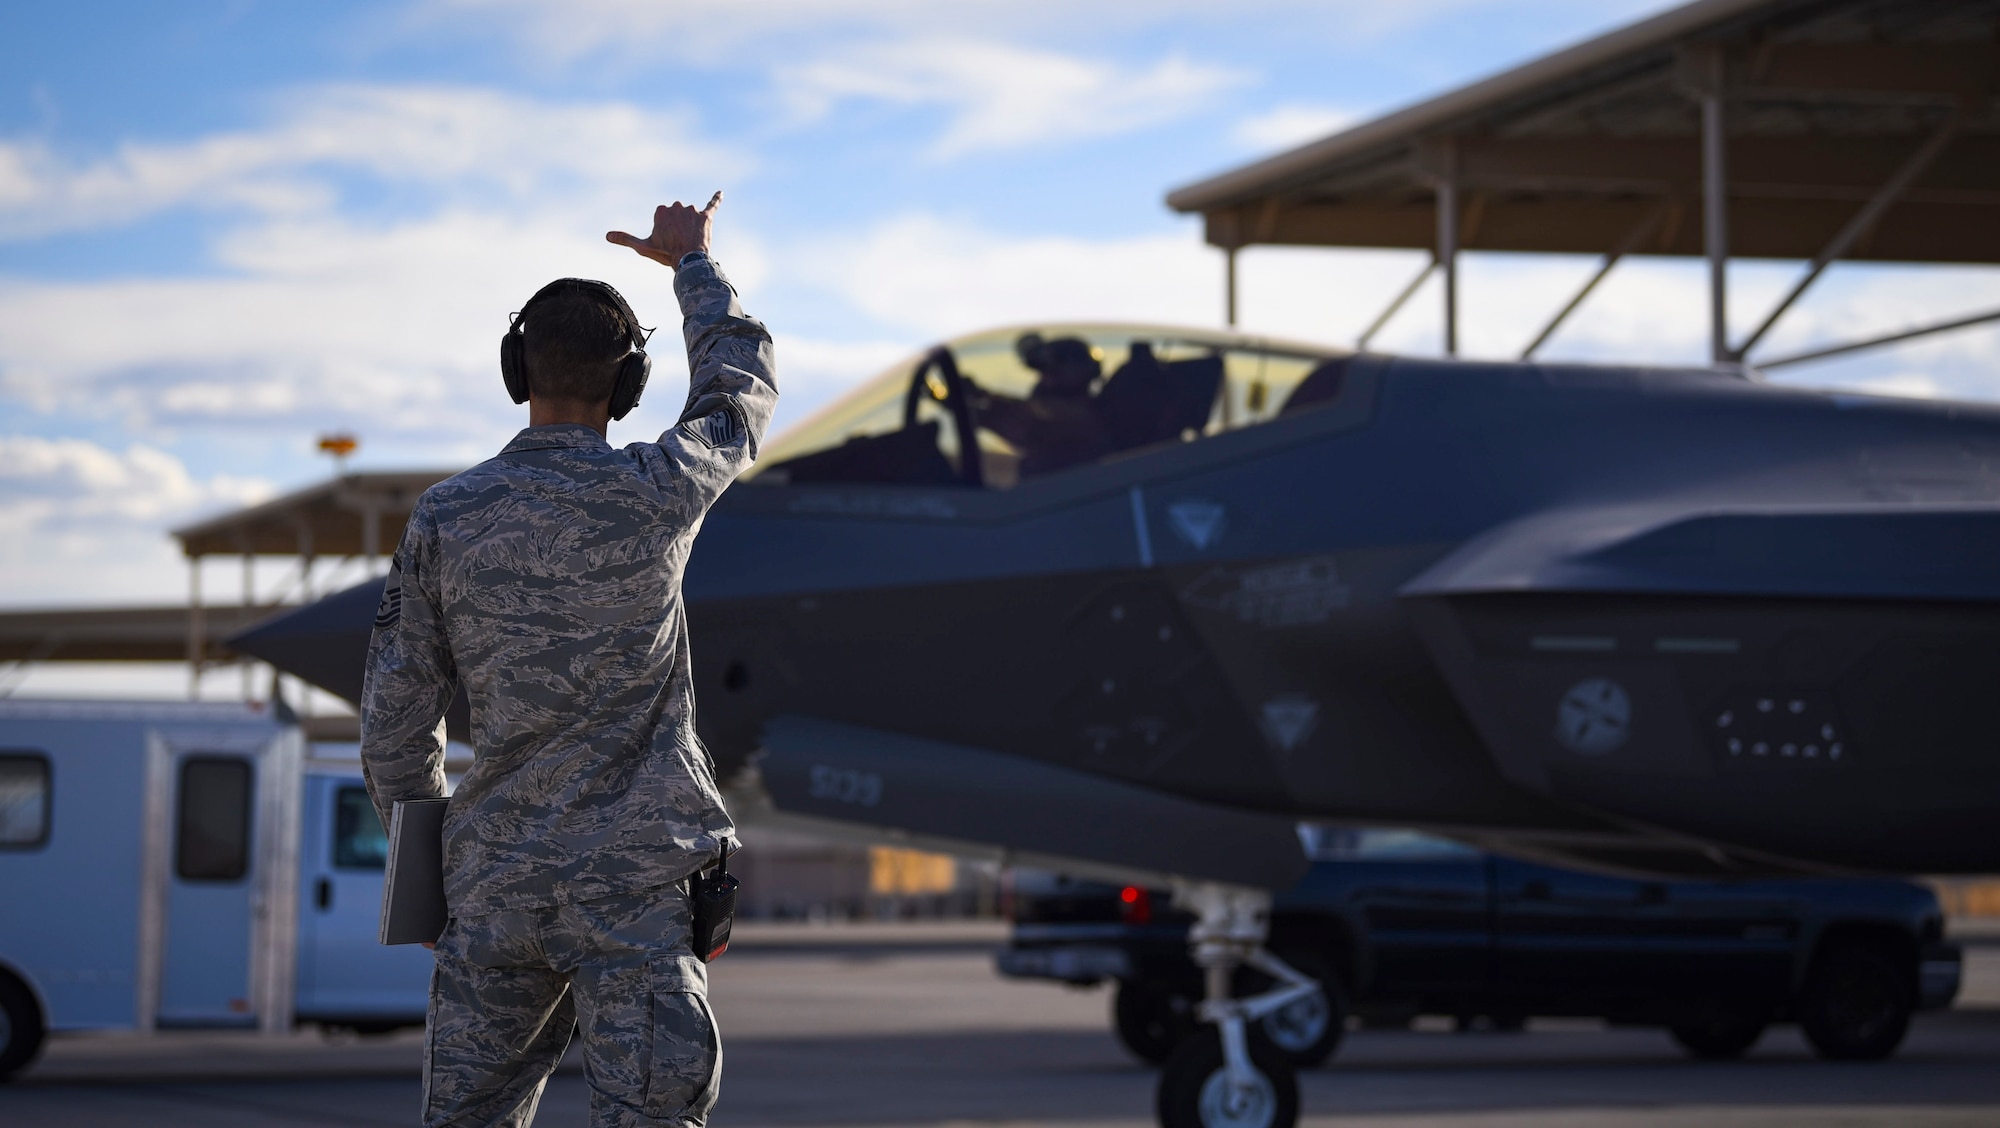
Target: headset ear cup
{"x": 632, "y": 375}
{"x": 514, "y": 366}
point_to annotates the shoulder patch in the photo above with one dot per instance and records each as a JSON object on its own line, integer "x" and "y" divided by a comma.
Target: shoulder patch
{"x": 718, "y": 428}
{"x": 390, "y": 611}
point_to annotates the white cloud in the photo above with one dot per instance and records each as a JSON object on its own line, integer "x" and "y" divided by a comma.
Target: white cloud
{"x": 327, "y": 324}
{"x": 468, "y": 141}
{"x": 82, "y": 521}
{"x": 80, "y": 481}
{"x": 1002, "y": 96}
{"x": 321, "y": 318}
{"x": 1292, "y": 124}
{"x": 938, "y": 278}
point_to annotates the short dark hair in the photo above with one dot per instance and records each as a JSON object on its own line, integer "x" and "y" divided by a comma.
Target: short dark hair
{"x": 573, "y": 342}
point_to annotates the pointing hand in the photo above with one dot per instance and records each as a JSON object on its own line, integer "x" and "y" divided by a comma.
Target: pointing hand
{"x": 677, "y": 230}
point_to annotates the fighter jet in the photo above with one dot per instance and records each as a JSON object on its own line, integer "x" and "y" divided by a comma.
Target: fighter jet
{"x": 1065, "y": 589}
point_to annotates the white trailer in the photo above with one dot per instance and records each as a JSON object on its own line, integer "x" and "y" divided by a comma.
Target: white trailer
{"x": 151, "y": 867}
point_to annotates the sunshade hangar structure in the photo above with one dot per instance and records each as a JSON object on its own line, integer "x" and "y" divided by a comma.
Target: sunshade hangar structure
{"x": 1811, "y": 130}
{"x": 322, "y": 530}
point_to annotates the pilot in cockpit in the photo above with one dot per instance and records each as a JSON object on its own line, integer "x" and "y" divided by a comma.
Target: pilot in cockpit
{"x": 1057, "y": 425}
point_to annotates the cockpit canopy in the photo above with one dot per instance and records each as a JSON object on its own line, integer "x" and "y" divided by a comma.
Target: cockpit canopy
{"x": 1046, "y": 399}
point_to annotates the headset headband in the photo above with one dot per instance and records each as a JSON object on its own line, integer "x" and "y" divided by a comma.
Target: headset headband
{"x": 635, "y": 336}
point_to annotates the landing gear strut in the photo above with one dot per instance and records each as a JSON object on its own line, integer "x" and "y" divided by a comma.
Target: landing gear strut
{"x": 1223, "y": 1077}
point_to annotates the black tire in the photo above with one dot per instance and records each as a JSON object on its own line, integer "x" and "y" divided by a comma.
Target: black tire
{"x": 1856, "y": 1004}
{"x": 21, "y": 1027}
{"x": 1152, "y": 1018}
{"x": 1191, "y": 1089}
{"x": 1719, "y": 1032}
{"x": 1308, "y": 1031}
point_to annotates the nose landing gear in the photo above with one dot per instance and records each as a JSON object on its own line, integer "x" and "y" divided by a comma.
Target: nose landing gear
{"x": 1223, "y": 1076}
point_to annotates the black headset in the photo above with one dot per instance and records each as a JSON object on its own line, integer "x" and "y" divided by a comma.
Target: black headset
{"x": 632, "y": 370}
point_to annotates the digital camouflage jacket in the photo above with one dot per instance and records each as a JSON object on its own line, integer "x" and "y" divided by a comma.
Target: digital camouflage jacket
{"x": 547, "y": 582}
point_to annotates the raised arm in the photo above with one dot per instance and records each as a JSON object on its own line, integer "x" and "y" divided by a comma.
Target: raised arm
{"x": 732, "y": 374}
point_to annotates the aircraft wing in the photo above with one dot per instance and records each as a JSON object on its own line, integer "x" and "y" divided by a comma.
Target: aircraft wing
{"x": 1891, "y": 551}
{"x": 1701, "y": 673}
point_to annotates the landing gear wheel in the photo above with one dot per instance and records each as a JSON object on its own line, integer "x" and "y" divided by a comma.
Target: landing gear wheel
{"x": 1152, "y": 1018}
{"x": 21, "y": 1027}
{"x": 1309, "y": 1030}
{"x": 1194, "y": 1090}
{"x": 1856, "y": 1004}
{"x": 1719, "y": 1032}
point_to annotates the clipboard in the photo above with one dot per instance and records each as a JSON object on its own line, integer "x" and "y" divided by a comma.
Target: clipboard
{"x": 413, "y": 907}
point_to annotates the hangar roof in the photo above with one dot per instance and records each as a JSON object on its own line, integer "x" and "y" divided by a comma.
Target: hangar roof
{"x": 119, "y": 634}
{"x": 1578, "y": 150}
{"x": 350, "y": 515}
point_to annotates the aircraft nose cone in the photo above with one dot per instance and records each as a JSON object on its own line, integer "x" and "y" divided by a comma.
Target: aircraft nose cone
{"x": 325, "y": 643}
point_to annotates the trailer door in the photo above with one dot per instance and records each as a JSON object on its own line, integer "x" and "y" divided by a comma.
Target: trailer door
{"x": 205, "y": 973}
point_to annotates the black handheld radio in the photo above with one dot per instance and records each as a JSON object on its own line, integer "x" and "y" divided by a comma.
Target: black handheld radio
{"x": 713, "y": 897}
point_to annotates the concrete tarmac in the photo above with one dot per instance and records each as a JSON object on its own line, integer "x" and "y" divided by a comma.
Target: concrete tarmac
{"x": 909, "y": 1026}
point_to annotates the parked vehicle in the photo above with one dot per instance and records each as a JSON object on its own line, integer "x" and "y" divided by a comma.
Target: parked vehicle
{"x": 346, "y": 977}
{"x": 152, "y": 862}
{"x": 1396, "y": 924}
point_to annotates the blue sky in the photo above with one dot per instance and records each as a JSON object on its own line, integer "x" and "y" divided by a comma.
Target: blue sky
{"x": 228, "y": 227}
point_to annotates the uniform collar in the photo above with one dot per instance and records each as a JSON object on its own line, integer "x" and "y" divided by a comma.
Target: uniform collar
{"x": 557, "y": 436}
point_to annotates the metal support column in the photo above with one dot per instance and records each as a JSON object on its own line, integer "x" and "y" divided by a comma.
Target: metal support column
{"x": 1715, "y": 208}
{"x": 249, "y": 601}
{"x": 305, "y": 542}
{"x": 1860, "y": 224}
{"x": 1229, "y": 285}
{"x": 197, "y": 629}
{"x": 305, "y": 596}
{"x": 1447, "y": 242}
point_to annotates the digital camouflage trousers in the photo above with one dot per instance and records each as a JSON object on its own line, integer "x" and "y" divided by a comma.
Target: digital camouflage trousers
{"x": 509, "y": 987}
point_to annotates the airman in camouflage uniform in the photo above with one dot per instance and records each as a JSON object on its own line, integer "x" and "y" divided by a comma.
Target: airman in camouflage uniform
{"x": 546, "y": 582}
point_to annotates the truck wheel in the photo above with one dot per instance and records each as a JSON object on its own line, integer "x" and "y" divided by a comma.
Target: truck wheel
{"x": 1194, "y": 1089}
{"x": 21, "y": 1027}
{"x": 1308, "y": 1031}
{"x": 1856, "y": 1004}
{"x": 1719, "y": 1031}
{"x": 1152, "y": 1018}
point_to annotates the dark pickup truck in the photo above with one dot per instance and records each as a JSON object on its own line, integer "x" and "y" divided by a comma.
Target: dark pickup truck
{"x": 1397, "y": 924}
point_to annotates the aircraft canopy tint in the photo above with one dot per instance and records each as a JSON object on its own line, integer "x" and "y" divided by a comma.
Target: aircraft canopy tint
{"x": 1045, "y": 399}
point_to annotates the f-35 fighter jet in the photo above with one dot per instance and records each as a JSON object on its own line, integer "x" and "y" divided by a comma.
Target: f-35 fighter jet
{"x": 1146, "y": 596}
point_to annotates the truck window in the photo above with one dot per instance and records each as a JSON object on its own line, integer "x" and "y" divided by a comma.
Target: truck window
{"x": 24, "y": 800}
{"x": 359, "y": 842}
{"x": 212, "y": 841}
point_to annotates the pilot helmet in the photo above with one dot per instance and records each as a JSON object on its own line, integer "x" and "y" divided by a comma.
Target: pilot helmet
{"x": 1066, "y": 358}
